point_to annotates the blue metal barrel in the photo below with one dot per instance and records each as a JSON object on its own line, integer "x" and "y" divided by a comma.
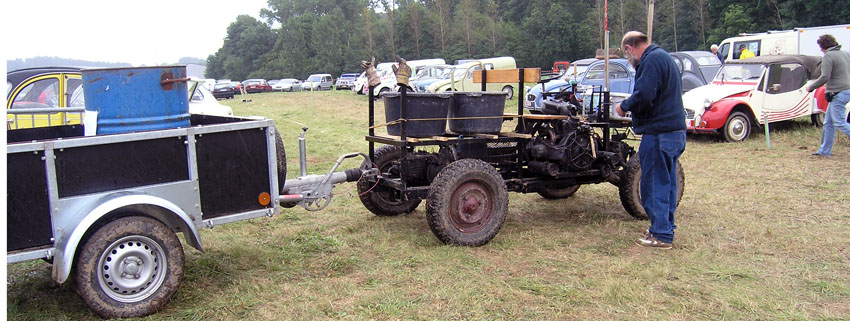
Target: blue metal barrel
{"x": 136, "y": 99}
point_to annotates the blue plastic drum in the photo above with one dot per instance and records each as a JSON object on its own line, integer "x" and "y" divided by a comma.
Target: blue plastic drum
{"x": 136, "y": 99}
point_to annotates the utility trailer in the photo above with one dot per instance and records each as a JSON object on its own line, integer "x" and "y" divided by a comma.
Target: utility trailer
{"x": 466, "y": 180}
{"x": 105, "y": 210}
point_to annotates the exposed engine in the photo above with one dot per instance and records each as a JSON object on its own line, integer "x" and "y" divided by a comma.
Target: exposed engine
{"x": 570, "y": 145}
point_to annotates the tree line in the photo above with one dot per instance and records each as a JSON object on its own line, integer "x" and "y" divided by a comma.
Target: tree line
{"x": 295, "y": 38}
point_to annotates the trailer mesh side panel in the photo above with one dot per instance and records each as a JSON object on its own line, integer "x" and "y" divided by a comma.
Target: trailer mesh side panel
{"x": 108, "y": 167}
{"x": 233, "y": 170}
{"x": 28, "y": 206}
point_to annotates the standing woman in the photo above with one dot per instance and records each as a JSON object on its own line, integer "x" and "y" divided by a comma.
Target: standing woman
{"x": 835, "y": 73}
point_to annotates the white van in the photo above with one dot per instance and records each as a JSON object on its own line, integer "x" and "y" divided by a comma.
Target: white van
{"x": 801, "y": 41}
{"x": 318, "y": 82}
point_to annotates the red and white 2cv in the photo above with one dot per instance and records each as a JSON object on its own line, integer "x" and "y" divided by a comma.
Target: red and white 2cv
{"x": 747, "y": 93}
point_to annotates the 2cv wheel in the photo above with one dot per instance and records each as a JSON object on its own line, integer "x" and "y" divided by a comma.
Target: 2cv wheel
{"x": 630, "y": 188}
{"x": 382, "y": 200}
{"x": 129, "y": 267}
{"x": 467, "y": 203}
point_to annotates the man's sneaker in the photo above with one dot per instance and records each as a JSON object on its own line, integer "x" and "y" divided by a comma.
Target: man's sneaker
{"x": 651, "y": 241}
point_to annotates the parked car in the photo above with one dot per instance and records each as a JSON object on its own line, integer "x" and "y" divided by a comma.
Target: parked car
{"x": 44, "y": 87}
{"x": 203, "y": 102}
{"x": 388, "y": 80}
{"x": 223, "y": 90}
{"x": 621, "y": 75}
{"x": 461, "y": 78}
{"x": 359, "y": 84}
{"x": 697, "y": 68}
{"x": 256, "y": 86}
{"x": 427, "y": 75}
{"x": 273, "y": 82}
{"x": 289, "y": 84}
{"x": 318, "y": 82}
{"x": 560, "y": 66}
{"x": 747, "y": 93}
{"x": 346, "y": 81}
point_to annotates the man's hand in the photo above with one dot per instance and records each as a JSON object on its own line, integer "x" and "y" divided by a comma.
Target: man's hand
{"x": 619, "y": 110}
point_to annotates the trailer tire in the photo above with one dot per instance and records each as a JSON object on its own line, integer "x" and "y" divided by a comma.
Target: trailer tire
{"x": 129, "y": 267}
{"x": 467, "y": 203}
{"x": 381, "y": 200}
{"x": 281, "y": 160}
{"x": 630, "y": 188}
{"x": 558, "y": 193}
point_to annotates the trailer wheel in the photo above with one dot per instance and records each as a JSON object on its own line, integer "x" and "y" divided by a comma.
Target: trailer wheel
{"x": 129, "y": 267}
{"x": 382, "y": 200}
{"x": 558, "y": 193}
{"x": 467, "y": 203}
{"x": 281, "y": 160}
{"x": 630, "y": 188}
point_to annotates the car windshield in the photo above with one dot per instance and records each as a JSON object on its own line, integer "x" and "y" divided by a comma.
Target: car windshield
{"x": 348, "y": 76}
{"x": 217, "y": 86}
{"x": 432, "y": 71}
{"x": 286, "y": 81}
{"x": 459, "y": 72}
{"x": 739, "y": 73}
{"x": 252, "y": 82}
{"x": 314, "y": 78}
{"x": 707, "y": 60}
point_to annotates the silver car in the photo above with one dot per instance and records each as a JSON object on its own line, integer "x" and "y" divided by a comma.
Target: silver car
{"x": 288, "y": 84}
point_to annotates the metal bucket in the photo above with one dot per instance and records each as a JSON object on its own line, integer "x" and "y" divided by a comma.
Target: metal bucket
{"x": 120, "y": 100}
{"x": 482, "y": 110}
{"x": 432, "y": 106}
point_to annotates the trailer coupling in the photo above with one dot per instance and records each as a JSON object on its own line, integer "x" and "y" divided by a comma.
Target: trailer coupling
{"x": 314, "y": 192}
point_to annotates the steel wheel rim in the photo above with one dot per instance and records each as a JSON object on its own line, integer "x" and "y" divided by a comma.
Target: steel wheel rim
{"x": 471, "y": 206}
{"x": 737, "y": 128}
{"x": 131, "y": 269}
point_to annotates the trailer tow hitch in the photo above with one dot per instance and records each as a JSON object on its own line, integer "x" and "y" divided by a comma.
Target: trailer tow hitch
{"x": 314, "y": 192}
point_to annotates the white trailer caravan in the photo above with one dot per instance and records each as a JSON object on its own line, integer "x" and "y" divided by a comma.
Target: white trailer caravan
{"x": 801, "y": 41}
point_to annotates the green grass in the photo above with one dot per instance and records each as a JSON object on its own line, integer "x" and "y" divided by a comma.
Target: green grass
{"x": 763, "y": 234}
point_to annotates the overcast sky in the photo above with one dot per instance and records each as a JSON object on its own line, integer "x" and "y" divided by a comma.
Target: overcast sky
{"x": 139, "y": 32}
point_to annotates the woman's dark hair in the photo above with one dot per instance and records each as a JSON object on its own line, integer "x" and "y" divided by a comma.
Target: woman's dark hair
{"x": 827, "y": 41}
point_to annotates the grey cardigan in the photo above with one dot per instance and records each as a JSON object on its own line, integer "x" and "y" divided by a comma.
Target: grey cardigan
{"x": 835, "y": 71}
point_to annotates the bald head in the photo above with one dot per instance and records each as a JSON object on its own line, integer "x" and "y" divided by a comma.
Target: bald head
{"x": 633, "y": 45}
{"x": 635, "y": 39}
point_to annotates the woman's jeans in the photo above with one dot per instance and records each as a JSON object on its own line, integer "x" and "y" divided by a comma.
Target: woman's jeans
{"x": 834, "y": 119}
{"x": 659, "y": 155}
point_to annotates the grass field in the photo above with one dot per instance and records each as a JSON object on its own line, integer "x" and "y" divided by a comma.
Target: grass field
{"x": 764, "y": 234}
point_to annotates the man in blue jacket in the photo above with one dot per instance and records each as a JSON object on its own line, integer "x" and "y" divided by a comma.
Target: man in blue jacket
{"x": 657, "y": 115}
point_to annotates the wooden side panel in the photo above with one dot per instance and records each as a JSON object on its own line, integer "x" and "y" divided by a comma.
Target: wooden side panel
{"x": 532, "y": 75}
